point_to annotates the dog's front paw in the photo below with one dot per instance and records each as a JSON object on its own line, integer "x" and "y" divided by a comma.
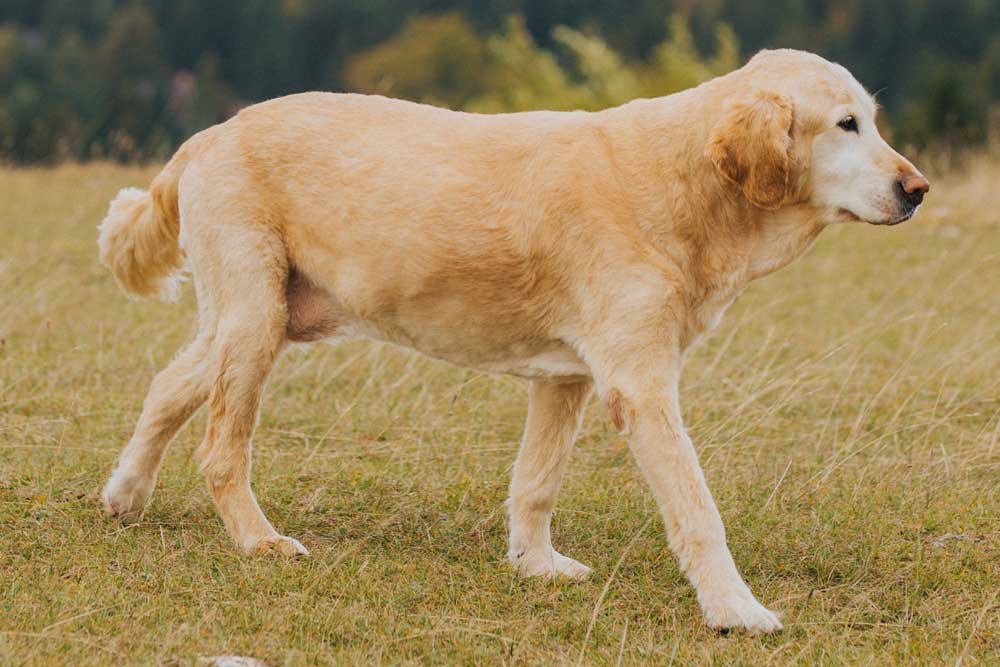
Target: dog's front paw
{"x": 739, "y": 611}
{"x": 278, "y": 544}
{"x": 124, "y": 498}
{"x": 547, "y": 563}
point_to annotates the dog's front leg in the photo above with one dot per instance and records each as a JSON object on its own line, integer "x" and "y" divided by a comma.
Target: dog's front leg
{"x": 643, "y": 402}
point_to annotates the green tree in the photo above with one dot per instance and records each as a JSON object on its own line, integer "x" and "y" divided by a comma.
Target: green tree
{"x": 434, "y": 59}
{"x": 442, "y": 60}
{"x": 133, "y": 78}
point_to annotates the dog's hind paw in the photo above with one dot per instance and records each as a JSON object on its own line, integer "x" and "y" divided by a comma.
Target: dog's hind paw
{"x": 125, "y": 498}
{"x": 279, "y": 544}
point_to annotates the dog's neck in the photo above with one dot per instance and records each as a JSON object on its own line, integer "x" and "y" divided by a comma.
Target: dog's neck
{"x": 723, "y": 242}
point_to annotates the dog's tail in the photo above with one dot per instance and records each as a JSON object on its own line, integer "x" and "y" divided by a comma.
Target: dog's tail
{"x": 139, "y": 237}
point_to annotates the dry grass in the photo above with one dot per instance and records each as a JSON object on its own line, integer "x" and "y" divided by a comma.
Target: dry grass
{"x": 847, "y": 413}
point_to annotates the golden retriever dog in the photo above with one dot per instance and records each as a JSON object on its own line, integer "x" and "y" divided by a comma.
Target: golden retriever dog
{"x": 576, "y": 250}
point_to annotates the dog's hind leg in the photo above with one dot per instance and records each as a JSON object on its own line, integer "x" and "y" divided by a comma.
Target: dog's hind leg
{"x": 554, "y": 414}
{"x": 176, "y": 392}
{"x": 246, "y": 283}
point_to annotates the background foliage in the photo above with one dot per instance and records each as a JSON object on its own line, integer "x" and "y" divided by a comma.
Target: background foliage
{"x": 110, "y": 78}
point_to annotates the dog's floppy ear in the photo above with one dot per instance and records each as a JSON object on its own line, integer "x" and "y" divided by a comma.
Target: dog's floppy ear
{"x": 751, "y": 147}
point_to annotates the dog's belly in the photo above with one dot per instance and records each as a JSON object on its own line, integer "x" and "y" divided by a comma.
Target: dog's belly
{"x": 558, "y": 362}
{"x": 314, "y": 314}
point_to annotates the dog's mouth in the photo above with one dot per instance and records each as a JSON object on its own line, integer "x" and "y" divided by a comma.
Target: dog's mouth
{"x": 891, "y": 222}
{"x": 898, "y": 221}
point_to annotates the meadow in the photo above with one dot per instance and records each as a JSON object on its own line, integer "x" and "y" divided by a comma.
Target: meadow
{"x": 847, "y": 414}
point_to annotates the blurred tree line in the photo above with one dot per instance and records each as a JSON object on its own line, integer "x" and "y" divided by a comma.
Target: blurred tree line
{"x": 131, "y": 79}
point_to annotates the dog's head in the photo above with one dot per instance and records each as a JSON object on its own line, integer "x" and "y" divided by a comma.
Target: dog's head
{"x": 802, "y": 131}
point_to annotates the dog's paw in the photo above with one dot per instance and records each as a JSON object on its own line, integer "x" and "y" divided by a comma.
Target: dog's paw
{"x": 548, "y": 563}
{"x": 278, "y": 544}
{"x": 739, "y": 611}
{"x": 124, "y": 498}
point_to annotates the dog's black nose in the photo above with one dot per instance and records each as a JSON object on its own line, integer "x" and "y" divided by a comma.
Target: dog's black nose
{"x": 912, "y": 189}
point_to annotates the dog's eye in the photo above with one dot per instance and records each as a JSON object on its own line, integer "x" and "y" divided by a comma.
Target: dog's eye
{"x": 849, "y": 124}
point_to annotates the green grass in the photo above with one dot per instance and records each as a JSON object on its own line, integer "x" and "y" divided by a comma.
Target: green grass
{"x": 847, "y": 413}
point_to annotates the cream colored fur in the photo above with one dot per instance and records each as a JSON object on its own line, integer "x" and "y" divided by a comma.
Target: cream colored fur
{"x": 578, "y": 250}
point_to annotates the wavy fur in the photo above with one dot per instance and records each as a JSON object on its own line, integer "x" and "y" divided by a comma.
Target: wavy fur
{"x": 138, "y": 238}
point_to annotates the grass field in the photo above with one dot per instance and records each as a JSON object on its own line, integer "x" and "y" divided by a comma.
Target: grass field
{"x": 847, "y": 413}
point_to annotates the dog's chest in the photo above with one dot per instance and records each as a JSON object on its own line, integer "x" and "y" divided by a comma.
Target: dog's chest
{"x": 707, "y": 310}
{"x": 709, "y": 313}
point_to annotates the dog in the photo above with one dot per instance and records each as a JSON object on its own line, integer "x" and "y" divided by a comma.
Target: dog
{"x": 578, "y": 250}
